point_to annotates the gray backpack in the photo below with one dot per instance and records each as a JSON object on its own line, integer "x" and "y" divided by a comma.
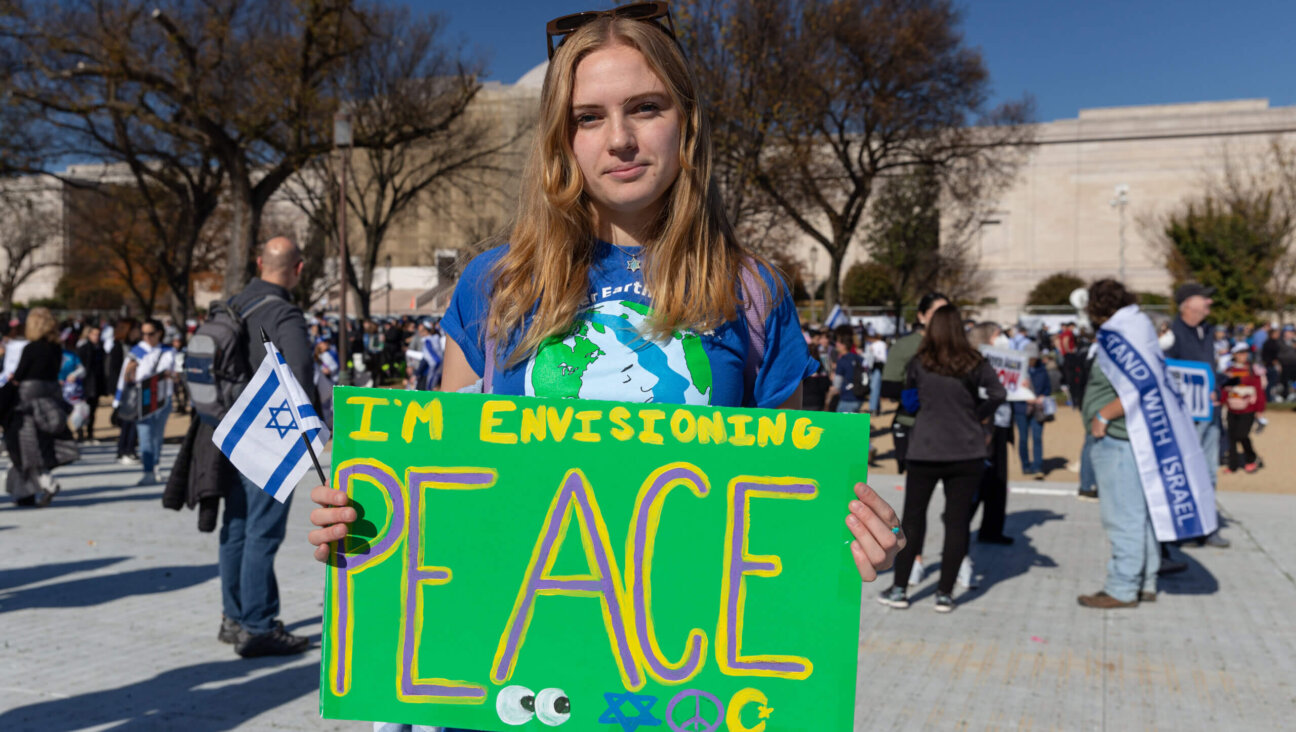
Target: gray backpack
{"x": 216, "y": 364}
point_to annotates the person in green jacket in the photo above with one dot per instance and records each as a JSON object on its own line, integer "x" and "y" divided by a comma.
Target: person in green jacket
{"x": 893, "y": 376}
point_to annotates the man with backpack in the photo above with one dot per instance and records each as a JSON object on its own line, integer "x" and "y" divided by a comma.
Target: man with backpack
{"x": 254, "y": 522}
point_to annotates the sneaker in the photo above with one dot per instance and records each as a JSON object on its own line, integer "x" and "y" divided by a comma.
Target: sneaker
{"x": 230, "y": 631}
{"x": 1145, "y": 596}
{"x": 1251, "y": 467}
{"x": 916, "y": 574}
{"x": 894, "y": 597}
{"x": 127, "y": 460}
{"x": 276, "y": 642}
{"x": 944, "y": 603}
{"x": 1261, "y": 423}
{"x": 47, "y": 494}
{"x": 149, "y": 478}
{"x": 966, "y": 574}
{"x": 1103, "y": 601}
{"x": 1215, "y": 540}
{"x": 1087, "y": 494}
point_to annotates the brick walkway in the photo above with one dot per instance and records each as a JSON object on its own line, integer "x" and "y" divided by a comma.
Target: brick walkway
{"x": 109, "y": 606}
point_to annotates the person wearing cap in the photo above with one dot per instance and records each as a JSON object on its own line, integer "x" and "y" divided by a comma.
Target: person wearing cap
{"x": 1195, "y": 341}
{"x": 1244, "y": 395}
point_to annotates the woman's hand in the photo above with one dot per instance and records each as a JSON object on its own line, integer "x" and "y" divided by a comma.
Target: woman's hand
{"x": 332, "y": 517}
{"x": 871, "y": 520}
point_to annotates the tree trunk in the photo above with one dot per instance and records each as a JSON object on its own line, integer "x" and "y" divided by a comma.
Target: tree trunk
{"x": 236, "y": 252}
{"x": 832, "y": 288}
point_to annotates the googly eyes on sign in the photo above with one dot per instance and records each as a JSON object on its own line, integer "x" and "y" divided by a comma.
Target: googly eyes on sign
{"x": 516, "y": 705}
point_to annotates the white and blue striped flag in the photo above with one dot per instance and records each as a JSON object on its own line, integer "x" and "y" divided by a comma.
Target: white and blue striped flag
{"x": 836, "y": 317}
{"x": 262, "y": 433}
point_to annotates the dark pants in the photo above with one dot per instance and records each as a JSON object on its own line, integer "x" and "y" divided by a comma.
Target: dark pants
{"x": 1239, "y": 433}
{"x": 127, "y": 440}
{"x": 993, "y": 492}
{"x": 900, "y": 438}
{"x": 250, "y": 536}
{"x": 961, "y": 479}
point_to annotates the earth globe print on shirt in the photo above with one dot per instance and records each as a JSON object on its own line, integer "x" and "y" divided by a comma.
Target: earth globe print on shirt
{"x": 606, "y": 355}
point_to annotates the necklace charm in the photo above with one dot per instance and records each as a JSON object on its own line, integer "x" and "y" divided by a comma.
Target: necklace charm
{"x": 632, "y": 264}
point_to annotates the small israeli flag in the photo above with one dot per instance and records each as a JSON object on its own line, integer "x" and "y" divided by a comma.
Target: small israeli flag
{"x": 262, "y": 433}
{"x": 836, "y": 317}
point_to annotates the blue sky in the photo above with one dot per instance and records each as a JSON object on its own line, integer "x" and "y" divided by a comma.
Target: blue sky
{"x": 1070, "y": 54}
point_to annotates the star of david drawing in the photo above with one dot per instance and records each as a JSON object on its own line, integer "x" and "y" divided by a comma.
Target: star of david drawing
{"x": 643, "y": 705}
{"x": 276, "y": 413}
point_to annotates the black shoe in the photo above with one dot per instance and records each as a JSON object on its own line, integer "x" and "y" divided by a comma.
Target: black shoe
{"x": 26, "y": 501}
{"x": 1171, "y": 567}
{"x": 1000, "y": 539}
{"x": 277, "y": 642}
{"x": 230, "y": 631}
{"x": 1090, "y": 494}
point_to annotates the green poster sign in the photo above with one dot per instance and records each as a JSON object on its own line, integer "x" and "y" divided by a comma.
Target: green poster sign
{"x": 522, "y": 563}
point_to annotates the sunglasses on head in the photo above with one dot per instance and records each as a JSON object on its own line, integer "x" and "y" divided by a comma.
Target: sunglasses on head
{"x": 567, "y": 24}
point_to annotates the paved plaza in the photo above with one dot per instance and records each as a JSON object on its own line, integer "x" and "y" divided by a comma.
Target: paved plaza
{"x": 109, "y": 606}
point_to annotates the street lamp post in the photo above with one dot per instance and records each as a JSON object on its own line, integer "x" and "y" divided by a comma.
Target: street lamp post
{"x": 389, "y": 285}
{"x": 1119, "y": 202}
{"x": 814, "y": 280}
{"x": 342, "y": 141}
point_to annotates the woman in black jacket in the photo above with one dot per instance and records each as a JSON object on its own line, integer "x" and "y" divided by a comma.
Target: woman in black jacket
{"x": 41, "y": 413}
{"x": 90, "y": 350}
{"x": 953, "y": 391}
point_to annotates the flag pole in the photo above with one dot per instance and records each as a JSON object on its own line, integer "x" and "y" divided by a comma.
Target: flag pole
{"x": 309, "y": 447}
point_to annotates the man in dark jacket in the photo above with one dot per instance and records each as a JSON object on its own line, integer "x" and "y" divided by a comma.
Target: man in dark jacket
{"x": 1194, "y": 340}
{"x": 255, "y": 523}
{"x": 95, "y": 385}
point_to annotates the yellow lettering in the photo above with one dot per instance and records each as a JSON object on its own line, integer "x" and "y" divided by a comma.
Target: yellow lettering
{"x": 805, "y": 437}
{"x": 648, "y": 435}
{"x": 489, "y": 422}
{"x": 683, "y": 425}
{"x": 771, "y": 430}
{"x": 364, "y": 434}
{"x": 711, "y": 429}
{"x": 623, "y": 431}
{"x": 741, "y": 437}
{"x": 430, "y": 413}
{"x": 585, "y": 418}
{"x": 533, "y": 424}
{"x": 558, "y": 424}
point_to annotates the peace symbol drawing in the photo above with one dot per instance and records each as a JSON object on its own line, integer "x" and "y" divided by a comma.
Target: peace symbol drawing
{"x": 708, "y": 721}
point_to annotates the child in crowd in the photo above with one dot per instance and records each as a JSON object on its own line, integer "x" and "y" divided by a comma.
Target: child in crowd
{"x": 1244, "y": 395}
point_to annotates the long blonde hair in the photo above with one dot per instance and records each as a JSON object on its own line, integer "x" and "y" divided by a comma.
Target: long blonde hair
{"x": 691, "y": 262}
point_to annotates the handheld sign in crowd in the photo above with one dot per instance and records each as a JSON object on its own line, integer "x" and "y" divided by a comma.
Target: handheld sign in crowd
{"x": 523, "y": 563}
{"x": 1195, "y": 382}
{"x": 1013, "y": 368}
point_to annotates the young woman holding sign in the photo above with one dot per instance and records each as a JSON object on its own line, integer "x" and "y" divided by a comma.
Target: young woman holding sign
{"x": 621, "y": 226}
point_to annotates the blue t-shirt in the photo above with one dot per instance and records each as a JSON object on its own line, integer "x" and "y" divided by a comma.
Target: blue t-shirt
{"x": 604, "y": 356}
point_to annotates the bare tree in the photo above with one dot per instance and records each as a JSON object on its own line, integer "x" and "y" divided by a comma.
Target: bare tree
{"x": 410, "y": 80}
{"x": 27, "y": 243}
{"x": 877, "y": 87}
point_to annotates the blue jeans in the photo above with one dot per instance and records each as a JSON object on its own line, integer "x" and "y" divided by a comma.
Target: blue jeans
{"x": 875, "y": 391}
{"x": 1209, "y": 434}
{"x": 1136, "y": 555}
{"x": 151, "y": 430}
{"x": 848, "y": 403}
{"x": 1087, "y": 479}
{"x": 249, "y": 538}
{"x": 1028, "y": 427}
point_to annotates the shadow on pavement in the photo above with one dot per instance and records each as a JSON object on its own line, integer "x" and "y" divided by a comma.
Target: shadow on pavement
{"x": 993, "y": 563}
{"x": 73, "y": 500}
{"x": 1196, "y": 580}
{"x": 27, "y": 575}
{"x": 106, "y": 588}
{"x": 174, "y": 700}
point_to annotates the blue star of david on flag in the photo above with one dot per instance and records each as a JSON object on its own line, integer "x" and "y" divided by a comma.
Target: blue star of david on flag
{"x": 283, "y": 411}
